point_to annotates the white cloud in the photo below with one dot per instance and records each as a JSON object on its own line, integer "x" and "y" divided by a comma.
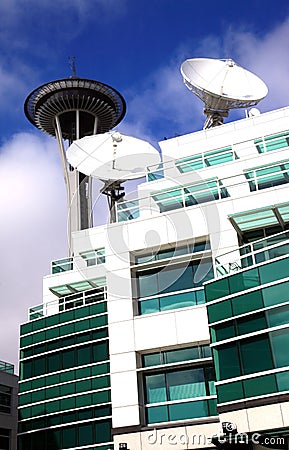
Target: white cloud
{"x": 33, "y": 228}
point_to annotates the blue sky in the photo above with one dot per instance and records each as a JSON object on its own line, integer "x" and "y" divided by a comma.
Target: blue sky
{"x": 137, "y": 47}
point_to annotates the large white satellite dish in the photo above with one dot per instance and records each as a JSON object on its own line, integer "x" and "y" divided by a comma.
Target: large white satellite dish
{"x": 222, "y": 85}
{"x": 112, "y": 156}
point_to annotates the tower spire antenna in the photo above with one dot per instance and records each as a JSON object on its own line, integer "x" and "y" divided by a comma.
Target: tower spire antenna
{"x": 72, "y": 66}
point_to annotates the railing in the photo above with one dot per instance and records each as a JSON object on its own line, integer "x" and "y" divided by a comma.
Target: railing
{"x": 84, "y": 259}
{"x": 254, "y": 253}
{"x": 6, "y": 367}
{"x": 68, "y": 302}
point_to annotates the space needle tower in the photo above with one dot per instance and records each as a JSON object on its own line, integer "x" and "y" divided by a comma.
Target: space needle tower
{"x": 70, "y": 109}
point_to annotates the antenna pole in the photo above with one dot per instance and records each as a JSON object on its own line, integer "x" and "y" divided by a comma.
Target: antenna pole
{"x": 72, "y": 66}
{"x": 114, "y": 195}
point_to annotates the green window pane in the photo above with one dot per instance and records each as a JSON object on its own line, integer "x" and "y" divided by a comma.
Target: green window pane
{"x": 26, "y": 328}
{"x": 219, "y": 311}
{"x": 96, "y": 322}
{"x": 252, "y": 323}
{"x": 101, "y": 397}
{"x": 38, "y": 396}
{"x": 256, "y": 354}
{"x": 282, "y": 381}
{"x": 224, "y": 331}
{"x": 278, "y": 316}
{"x": 100, "y": 351}
{"x": 188, "y": 410}
{"x": 154, "y": 359}
{"x": 276, "y": 294}
{"x": 102, "y": 411}
{"x": 85, "y": 434}
{"x": 38, "y": 337}
{"x": 103, "y": 431}
{"x": 84, "y": 372}
{"x": 26, "y": 340}
{"x": 83, "y": 355}
{"x": 68, "y": 359}
{"x": 66, "y": 329}
{"x": 186, "y": 384}
{"x": 53, "y": 363}
{"x": 155, "y": 388}
{"x": 67, "y": 376}
{"x": 68, "y": 389}
{"x": 227, "y": 362}
{"x": 244, "y": 280}
{"x": 84, "y": 385}
{"x": 100, "y": 369}
{"x": 39, "y": 366}
{"x": 100, "y": 382}
{"x": 81, "y": 312}
{"x": 149, "y": 306}
{"x": 274, "y": 271}
{"x": 229, "y": 392}
{"x": 247, "y": 302}
{"x": 67, "y": 403}
{"x": 52, "y": 320}
{"x": 217, "y": 289}
{"x": 83, "y": 400}
{"x": 52, "y": 407}
{"x": 53, "y": 379}
{"x": 157, "y": 414}
{"x": 185, "y": 354}
{"x": 181, "y": 300}
{"x": 280, "y": 344}
{"x": 69, "y": 437}
{"x": 67, "y": 316}
{"x": 52, "y": 333}
{"x": 147, "y": 283}
{"x": 212, "y": 404}
{"x": 85, "y": 414}
{"x": 259, "y": 386}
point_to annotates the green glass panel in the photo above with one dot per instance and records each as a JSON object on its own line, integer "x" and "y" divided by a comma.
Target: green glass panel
{"x": 83, "y": 355}
{"x": 53, "y": 362}
{"x": 217, "y": 289}
{"x": 69, "y": 437}
{"x": 185, "y": 354}
{"x": 100, "y": 382}
{"x": 26, "y": 328}
{"x": 188, "y": 410}
{"x": 39, "y": 396}
{"x": 180, "y": 300}
{"x": 67, "y": 376}
{"x": 244, "y": 280}
{"x": 229, "y": 392}
{"x": 52, "y": 333}
{"x": 103, "y": 431}
{"x": 66, "y": 329}
{"x": 247, "y": 302}
{"x": 81, "y": 312}
{"x": 149, "y": 306}
{"x": 67, "y": 403}
{"x": 101, "y": 397}
{"x": 52, "y": 379}
{"x": 38, "y": 383}
{"x": 200, "y": 296}
{"x": 224, "y": 331}
{"x": 52, "y": 320}
{"x": 100, "y": 369}
{"x": 278, "y": 316}
{"x": 252, "y": 323}
{"x": 69, "y": 417}
{"x": 256, "y": 354}
{"x": 282, "y": 381}
{"x": 219, "y": 311}
{"x": 85, "y": 434}
{"x": 39, "y": 337}
{"x": 84, "y": 385}
{"x": 102, "y": 411}
{"x": 280, "y": 344}
{"x": 260, "y": 386}
{"x": 83, "y": 400}
{"x": 273, "y": 295}
{"x": 26, "y": 340}
{"x": 25, "y": 413}
{"x": 154, "y": 359}
{"x": 274, "y": 271}
{"x": 52, "y": 407}
{"x": 68, "y": 359}
{"x": 157, "y": 414}
{"x": 227, "y": 362}
{"x": 155, "y": 388}
{"x": 186, "y": 384}
{"x": 68, "y": 389}
{"x": 67, "y": 316}
{"x": 96, "y": 322}
{"x": 100, "y": 351}
{"x": 84, "y": 372}
{"x": 212, "y": 404}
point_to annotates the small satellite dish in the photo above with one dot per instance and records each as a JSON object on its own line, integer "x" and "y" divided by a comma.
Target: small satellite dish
{"x": 222, "y": 85}
{"x": 112, "y": 156}
{"x": 254, "y": 112}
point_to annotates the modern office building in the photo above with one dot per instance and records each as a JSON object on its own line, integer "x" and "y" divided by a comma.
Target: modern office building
{"x": 8, "y": 406}
{"x": 175, "y": 319}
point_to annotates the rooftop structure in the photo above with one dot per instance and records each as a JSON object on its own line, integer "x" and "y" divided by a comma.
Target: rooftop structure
{"x": 8, "y": 406}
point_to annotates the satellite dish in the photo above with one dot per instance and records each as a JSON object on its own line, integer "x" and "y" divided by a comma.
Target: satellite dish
{"x": 112, "y": 156}
{"x": 254, "y": 112}
{"x": 222, "y": 85}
